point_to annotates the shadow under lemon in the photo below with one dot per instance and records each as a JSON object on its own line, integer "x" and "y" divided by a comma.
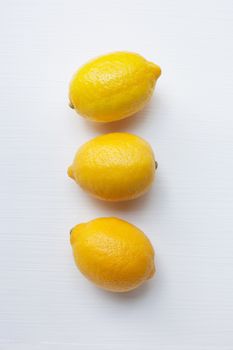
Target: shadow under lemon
{"x": 127, "y": 124}
{"x": 154, "y": 196}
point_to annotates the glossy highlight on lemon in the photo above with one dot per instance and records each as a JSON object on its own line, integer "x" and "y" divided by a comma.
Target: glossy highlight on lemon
{"x": 113, "y": 86}
{"x": 114, "y": 167}
{"x": 113, "y": 254}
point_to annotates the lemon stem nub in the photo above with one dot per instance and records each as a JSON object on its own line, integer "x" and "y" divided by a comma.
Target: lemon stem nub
{"x": 71, "y": 105}
{"x": 156, "y": 165}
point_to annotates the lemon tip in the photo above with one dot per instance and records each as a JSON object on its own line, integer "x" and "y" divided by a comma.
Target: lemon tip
{"x": 156, "y": 69}
{"x": 70, "y": 172}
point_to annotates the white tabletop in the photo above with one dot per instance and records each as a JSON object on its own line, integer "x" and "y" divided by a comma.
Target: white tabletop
{"x": 45, "y": 303}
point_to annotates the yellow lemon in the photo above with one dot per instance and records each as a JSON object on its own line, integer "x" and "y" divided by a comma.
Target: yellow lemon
{"x": 113, "y": 86}
{"x": 113, "y": 254}
{"x": 114, "y": 167}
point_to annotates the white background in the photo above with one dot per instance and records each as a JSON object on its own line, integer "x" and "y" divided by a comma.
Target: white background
{"x": 45, "y": 303}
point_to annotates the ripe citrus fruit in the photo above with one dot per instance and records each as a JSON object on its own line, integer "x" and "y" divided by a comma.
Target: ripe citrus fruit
{"x": 113, "y": 86}
{"x": 113, "y": 254}
{"x": 114, "y": 167}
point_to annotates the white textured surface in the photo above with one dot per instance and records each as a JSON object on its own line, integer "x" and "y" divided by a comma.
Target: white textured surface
{"x": 44, "y": 302}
